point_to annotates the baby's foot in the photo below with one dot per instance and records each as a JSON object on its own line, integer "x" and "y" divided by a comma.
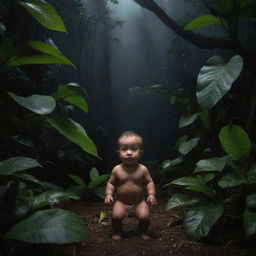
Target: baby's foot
{"x": 116, "y": 237}
{"x": 145, "y": 237}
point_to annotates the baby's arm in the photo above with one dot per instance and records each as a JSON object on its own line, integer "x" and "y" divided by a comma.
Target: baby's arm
{"x": 150, "y": 186}
{"x": 110, "y": 188}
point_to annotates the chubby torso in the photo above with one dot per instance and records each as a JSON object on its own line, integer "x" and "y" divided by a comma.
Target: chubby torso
{"x": 130, "y": 183}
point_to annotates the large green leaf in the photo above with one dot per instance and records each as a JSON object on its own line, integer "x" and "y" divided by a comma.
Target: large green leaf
{"x": 235, "y": 142}
{"x": 215, "y": 80}
{"x": 186, "y": 146}
{"x": 74, "y": 132}
{"x": 31, "y": 178}
{"x": 211, "y": 164}
{"x": 40, "y": 104}
{"x": 187, "y": 119}
{"x": 15, "y": 164}
{"x": 249, "y": 220}
{"x": 186, "y": 181}
{"x": 199, "y": 221}
{"x": 35, "y": 52}
{"x": 51, "y": 198}
{"x": 49, "y": 226}
{"x": 205, "y": 20}
{"x": 44, "y": 13}
{"x": 180, "y": 200}
{"x": 64, "y": 93}
{"x": 201, "y": 188}
{"x": 231, "y": 180}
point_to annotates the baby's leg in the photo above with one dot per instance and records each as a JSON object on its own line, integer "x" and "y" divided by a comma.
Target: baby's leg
{"x": 118, "y": 213}
{"x": 143, "y": 214}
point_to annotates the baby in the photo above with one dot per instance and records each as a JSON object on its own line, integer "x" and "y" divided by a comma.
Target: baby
{"x": 130, "y": 180}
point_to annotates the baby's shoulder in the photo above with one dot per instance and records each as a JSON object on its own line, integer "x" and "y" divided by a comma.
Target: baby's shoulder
{"x": 117, "y": 168}
{"x": 143, "y": 168}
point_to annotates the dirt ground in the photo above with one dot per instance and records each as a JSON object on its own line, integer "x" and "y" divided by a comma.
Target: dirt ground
{"x": 165, "y": 229}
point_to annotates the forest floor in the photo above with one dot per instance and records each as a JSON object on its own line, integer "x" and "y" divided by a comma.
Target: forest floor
{"x": 165, "y": 230}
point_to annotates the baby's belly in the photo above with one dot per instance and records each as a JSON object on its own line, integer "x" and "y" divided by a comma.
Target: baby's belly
{"x": 130, "y": 193}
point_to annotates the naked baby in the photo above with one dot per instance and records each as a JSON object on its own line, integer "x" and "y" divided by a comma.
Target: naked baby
{"x": 130, "y": 180}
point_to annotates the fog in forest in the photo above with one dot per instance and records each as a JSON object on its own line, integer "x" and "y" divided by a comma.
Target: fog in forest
{"x": 136, "y": 50}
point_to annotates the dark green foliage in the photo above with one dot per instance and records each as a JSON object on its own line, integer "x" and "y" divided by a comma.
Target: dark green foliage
{"x": 26, "y": 115}
{"x": 214, "y": 176}
{"x": 96, "y": 186}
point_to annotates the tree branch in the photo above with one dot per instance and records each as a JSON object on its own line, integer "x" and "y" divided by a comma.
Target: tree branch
{"x": 201, "y": 41}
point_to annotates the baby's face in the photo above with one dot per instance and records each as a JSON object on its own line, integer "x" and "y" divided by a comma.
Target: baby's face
{"x": 130, "y": 150}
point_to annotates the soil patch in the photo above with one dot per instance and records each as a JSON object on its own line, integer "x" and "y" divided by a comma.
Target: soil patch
{"x": 165, "y": 229}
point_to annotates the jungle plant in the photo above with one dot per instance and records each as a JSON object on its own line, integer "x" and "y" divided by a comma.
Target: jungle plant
{"x": 214, "y": 177}
{"x": 93, "y": 187}
{"x": 26, "y": 206}
{"x": 26, "y": 216}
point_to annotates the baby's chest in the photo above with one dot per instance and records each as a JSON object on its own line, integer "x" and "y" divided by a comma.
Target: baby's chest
{"x": 131, "y": 178}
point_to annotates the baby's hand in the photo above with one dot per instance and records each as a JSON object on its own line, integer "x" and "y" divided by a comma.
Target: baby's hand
{"x": 152, "y": 200}
{"x": 108, "y": 200}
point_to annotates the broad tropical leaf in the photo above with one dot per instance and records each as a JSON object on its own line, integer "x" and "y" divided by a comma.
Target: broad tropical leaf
{"x": 44, "y": 13}
{"x": 40, "y": 104}
{"x": 31, "y": 178}
{"x": 211, "y": 164}
{"x": 230, "y": 180}
{"x": 180, "y": 200}
{"x": 186, "y": 146}
{"x": 187, "y": 119}
{"x": 249, "y": 220}
{"x": 35, "y": 52}
{"x": 198, "y": 221}
{"x": 49, "y": 226}
{"x": 64, "y": 93}
{"x": 74, "y": 132}
{"x": 215, "y": 80}
{"x": 186, "y": 181}
{"x": 205, "y": 20}
{"x": 51, "y": 198}
{"x": 15, "y": 164}
{"x": 201, "y": 188}
{"x": 235, "y": 142}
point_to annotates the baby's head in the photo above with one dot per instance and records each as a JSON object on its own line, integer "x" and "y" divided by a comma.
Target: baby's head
{"x": 129, "y": 147}
{"x": 130, "y": 137}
